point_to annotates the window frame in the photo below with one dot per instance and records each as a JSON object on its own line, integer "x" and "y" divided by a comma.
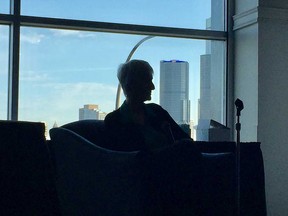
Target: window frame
{"x": 15, "y": 21}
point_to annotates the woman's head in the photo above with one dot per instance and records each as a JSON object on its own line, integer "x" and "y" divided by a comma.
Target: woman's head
{"x": 135, "y": 78}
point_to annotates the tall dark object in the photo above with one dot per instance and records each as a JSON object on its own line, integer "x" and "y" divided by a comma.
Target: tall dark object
{"x": 239, "y": 106}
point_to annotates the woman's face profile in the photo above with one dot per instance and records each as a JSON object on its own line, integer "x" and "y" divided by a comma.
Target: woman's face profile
{"x": 143, "y": 87}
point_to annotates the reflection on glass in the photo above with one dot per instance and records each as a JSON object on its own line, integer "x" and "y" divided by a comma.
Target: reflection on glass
{"x": 4, "y": 44}
{"x": 183, "y": 14}
{"x": 5, "y": 6}
{"x": 62, "y": 70}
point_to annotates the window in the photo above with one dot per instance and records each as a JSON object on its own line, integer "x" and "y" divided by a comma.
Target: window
{"x": 60, "y": 72}
{"x": 4, "y": 44}
{"x": 66, "y": 64}
{"x": 182, "y": 14}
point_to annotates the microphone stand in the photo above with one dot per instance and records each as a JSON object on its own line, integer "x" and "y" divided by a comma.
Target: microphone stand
{"x": 239, "y": 106}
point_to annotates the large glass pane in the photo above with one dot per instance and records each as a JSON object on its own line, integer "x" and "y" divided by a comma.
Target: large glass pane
{"x": 4, "y": 46}
{"x": 5, "y": 6}
{"x": 62, "y": 70}
{"x": 183, "y": 14}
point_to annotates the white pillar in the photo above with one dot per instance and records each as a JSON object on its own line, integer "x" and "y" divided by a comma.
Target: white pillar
{"x": 261, "y": 81}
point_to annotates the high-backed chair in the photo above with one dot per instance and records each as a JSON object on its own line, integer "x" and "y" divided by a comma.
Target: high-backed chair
{"x": 219, "y": 169}
{"x": 26, "y": 175}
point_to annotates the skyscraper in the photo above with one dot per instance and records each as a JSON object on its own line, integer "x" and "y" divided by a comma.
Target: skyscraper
{"x": 212, "y": 99}
{"x": 204, "y": 111}
{"x": 91, "y": 111}
{"x": 174, "y": 89}
{"x": 212, "y": 77}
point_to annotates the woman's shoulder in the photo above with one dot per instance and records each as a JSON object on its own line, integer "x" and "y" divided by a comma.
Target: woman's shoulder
{"x": 155, "y": 108}
{"x": 112, "y": 117}
{"x": 121, "y": 115}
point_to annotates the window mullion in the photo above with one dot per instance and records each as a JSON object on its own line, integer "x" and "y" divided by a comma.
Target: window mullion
{"x": 14, "y": 51}
{"x": 85, "y": 25}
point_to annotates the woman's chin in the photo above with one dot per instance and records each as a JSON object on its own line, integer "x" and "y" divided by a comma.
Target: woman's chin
{"x": 148, "y": 98}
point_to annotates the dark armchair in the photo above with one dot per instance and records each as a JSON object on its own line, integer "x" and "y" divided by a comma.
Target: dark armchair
{"x": 117, "y": 174}
{"x": 73, "y": 174}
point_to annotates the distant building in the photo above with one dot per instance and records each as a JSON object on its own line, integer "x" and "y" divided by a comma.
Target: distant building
{"x": 174, "y": 90}
{"x": 46, "y": 134}
{"x": 55, "y": 125}
{"x": 192, "y": 129}
{"x": 91, "y": 111}
{"x": 204, "y": 111}
{"x": 212, "y": 101}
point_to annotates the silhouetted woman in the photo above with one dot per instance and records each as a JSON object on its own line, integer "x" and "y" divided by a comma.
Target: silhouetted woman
{"x": 169, "y": 162}
{"x": 136, "y": 125}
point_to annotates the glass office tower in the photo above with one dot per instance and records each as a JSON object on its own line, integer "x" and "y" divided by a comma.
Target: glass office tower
{"x": 174, "y": 89}
{"x": 212, "y": 100}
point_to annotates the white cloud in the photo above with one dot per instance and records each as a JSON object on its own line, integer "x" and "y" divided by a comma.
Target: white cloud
{"x": 32, "y": 38}
{"x": 85, "y": 93}
{"x": 60, "y": 102}
{"x": 74, "y": 33}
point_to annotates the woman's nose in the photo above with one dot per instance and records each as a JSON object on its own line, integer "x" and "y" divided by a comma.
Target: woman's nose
{"x": 152, "y": 86}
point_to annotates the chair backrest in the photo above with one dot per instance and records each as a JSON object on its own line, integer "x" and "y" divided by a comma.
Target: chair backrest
{"x": 91, "y": 129}
{"x": 95, "y": 181}
{"x": 27, "y": 184}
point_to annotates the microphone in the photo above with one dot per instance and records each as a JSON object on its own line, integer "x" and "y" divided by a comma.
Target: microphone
{"x": 239, "y": 106}
{"x": 166, "y": 128}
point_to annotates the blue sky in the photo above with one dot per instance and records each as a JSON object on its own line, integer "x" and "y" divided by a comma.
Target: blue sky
{"x": 62, "y": 70}
{"x": 181, "y": 13}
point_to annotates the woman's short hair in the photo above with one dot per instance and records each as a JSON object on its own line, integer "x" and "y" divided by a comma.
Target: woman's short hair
{"x": 132, "y": 72}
